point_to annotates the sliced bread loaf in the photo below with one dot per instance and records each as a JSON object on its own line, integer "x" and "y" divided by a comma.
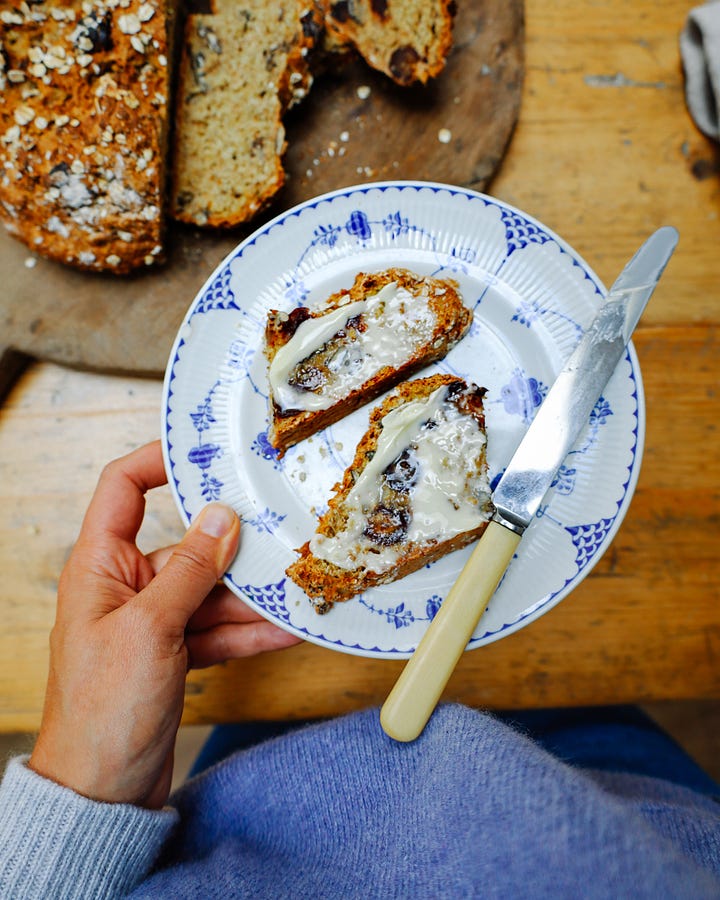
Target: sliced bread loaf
{"x": 323, "y": 364}
{"x": 416, "y": 490}
{"x": 84, "y": 93}
{"x": 408, "y": 40}
{"x": 242, "y": 67}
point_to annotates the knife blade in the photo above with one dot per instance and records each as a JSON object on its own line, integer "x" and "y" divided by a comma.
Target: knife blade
{"x": 525, "y": 482}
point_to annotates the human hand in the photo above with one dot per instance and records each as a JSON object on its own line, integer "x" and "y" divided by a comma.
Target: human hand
{"x": 127, "y": 628}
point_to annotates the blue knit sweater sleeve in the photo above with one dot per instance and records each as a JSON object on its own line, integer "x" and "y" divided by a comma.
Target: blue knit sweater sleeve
{"x": 55, "y": 843}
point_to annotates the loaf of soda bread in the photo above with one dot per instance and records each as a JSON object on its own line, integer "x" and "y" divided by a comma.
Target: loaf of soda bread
{"x": 406, "y": 40}
{"x": 416, "y": 490}
{"x": 326, "y": 363}
{"x": 242, "y": 67}
{"x": 84, "y": 95}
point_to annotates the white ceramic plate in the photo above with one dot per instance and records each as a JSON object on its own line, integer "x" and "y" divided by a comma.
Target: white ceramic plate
{"x": 532, "y": 296}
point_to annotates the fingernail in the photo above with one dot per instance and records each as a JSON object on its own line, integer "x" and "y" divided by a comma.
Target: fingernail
{"x": 216, "y": 520}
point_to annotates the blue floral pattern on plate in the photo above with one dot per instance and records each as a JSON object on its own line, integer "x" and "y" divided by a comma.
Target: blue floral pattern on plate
{"x": 532, "y": 296}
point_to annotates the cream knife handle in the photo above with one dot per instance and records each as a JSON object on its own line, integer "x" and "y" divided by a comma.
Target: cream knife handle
{"x": 415, "y": 695}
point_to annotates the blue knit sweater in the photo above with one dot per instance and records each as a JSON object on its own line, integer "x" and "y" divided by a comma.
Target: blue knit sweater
{"x": 471, "y": 809}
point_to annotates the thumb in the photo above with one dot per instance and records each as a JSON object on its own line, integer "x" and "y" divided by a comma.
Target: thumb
{"x": 194, "y": 566}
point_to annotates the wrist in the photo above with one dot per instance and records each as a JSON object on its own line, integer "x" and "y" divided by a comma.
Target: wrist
{"x": 101, "y": 774}
{"x": 59, "y": 767}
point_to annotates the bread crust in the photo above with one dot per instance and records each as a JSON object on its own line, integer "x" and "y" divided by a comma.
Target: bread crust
{"x": 83, "y": 129}
{"x": 406, "y": 40}
{"x": 326, "y": 583}
{"x": 452, "y": 321}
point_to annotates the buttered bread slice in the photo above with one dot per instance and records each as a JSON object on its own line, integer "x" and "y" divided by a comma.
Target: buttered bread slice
{"x": 416, "y": 490}
{"x": 366, "y": 339}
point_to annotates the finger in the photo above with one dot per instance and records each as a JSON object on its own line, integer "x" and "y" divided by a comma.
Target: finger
{"x": 222, "y": 606}
{"x": 192, "y": 570}
{"x": 118, "y": 504}
{"x": 158, "y": 558}
{"x": 208, "y": 648}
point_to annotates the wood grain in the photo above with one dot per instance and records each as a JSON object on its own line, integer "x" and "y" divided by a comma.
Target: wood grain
{"x": 335, "y": 139}
{"x": 604, "y": 152}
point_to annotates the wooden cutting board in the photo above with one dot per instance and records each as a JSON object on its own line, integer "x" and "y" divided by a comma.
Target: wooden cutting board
{"x": 354, "y": 127}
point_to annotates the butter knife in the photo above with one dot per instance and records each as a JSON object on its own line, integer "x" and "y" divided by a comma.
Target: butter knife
{"x": 520, "y": 491}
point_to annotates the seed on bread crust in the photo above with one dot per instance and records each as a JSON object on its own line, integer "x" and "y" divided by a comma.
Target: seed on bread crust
{"x": 82, "y": 112}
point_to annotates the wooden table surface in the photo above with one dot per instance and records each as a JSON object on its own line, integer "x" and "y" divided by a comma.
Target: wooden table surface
{"x": 604, "y": 153}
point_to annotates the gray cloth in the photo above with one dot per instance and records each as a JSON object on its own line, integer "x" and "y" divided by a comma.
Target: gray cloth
{"x": 700, "y": 51}
{"x": 57, "y": 845}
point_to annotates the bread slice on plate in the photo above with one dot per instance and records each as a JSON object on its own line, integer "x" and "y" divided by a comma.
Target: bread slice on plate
{"x": 416, "y": 490}
{"x": 324, "y": 364}
{"x": 84, "y": 99}
{"x": 407, "y": 40}
{"x": 242, "y": 67}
